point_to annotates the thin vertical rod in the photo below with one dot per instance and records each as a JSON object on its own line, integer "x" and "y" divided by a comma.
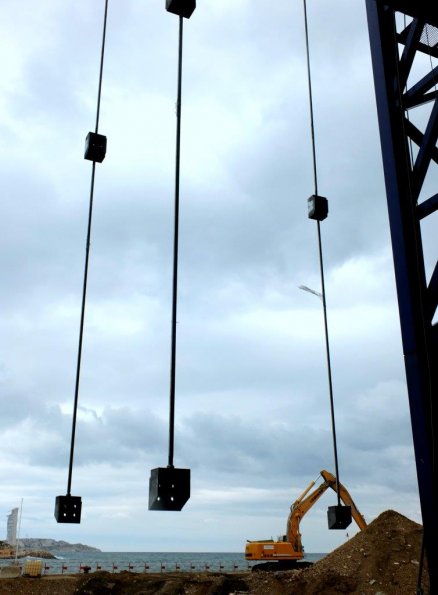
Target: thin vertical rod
{"x": 81, "y": 332}
{"x": 87, "y": 256}
{"x": 321, "y": 262}
{"x": 102, "y": 56}
{"x": 309, "y": 82}
{"x": 329, "y": 367}
{"x": 175, "y": 252}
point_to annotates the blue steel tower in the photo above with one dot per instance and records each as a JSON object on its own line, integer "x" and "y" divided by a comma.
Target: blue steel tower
{"x": 404, "y": 37}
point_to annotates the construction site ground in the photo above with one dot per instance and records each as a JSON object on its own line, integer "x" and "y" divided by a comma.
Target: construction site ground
{"x": 383, "y": 559}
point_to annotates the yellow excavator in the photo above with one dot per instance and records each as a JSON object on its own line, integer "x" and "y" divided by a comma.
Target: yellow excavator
{"x": 288, "y": 550}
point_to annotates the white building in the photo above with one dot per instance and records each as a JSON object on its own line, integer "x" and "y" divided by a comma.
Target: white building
{"x": 12, "y": 527}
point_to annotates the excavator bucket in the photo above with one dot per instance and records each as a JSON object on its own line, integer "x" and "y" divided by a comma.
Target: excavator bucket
{"x": 339, "y": 517}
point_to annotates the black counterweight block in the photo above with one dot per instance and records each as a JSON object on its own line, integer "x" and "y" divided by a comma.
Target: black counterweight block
{"x": 169, "y": 488}
{"x": 339, "y": 517}
{"x": 68, "y": 509}
{"x": 183, "y": 8}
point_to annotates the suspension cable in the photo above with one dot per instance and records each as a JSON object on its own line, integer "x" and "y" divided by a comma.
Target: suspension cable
{"x": 102, "y": 56}
{"x": 312, "y": 120}
{"x": 175, "y": 252}
{"x": 169, "y": 487}
{"x": 321, "y": 262}
{"x": 87, "y": 254}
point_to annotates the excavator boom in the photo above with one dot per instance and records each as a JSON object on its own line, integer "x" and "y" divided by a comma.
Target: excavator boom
{"x": 289, "y": 550}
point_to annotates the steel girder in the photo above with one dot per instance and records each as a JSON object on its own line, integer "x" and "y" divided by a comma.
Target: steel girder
{"x": 402, "y": 35}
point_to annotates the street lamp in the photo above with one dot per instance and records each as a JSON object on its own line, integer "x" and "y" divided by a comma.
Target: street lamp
{"x": 305, "y": 288}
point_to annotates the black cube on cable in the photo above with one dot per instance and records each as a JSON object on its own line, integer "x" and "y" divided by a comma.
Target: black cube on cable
{"x": 95, "y": 147}
{"x": 169, "y": 488}
{"x": 339, "y": 517}
{"x": 68, "y": 509}
{"x": 317, "y": 207}
{"x": 183, "y": 8}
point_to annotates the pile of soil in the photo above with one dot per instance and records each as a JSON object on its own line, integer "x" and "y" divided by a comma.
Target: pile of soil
{"x": 381, "y": 560}
{"x": 384, "y": 558}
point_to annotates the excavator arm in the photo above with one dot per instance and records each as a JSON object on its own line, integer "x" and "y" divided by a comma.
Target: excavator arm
{"x": 288, "y": 550}
{"x": 306, "y": 501}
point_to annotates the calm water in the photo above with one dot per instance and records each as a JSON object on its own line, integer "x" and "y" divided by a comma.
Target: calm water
{"x": 150, "y": 562}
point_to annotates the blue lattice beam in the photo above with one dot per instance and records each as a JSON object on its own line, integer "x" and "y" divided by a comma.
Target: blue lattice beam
{"x": 401, "y": 87}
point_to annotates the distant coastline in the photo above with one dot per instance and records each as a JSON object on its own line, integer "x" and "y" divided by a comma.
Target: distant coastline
{"x": 42, "y": 548}
{"x": 54, "y": 546}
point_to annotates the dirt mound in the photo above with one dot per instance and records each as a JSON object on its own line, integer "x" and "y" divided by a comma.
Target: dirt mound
{"x": 383, "y": 558}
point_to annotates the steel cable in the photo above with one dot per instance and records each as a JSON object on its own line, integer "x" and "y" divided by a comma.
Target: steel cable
{"x": 175, "y": 252}
{"x": 321, "y": 262}
{"x": 87, "y": 255}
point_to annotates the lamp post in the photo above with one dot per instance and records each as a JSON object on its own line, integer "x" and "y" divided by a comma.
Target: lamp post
{"x": 305, "y": 288}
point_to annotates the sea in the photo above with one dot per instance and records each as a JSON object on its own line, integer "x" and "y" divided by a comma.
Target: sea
{"x": 79, "y": 562}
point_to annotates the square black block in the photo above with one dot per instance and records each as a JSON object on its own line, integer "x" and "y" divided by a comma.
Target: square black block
{"x": 95, "y": 147}
{"x": 317, "y": 207}
{"x": 183, "y": 8}
{"x": 339, "y": 517}
{"x": 68, "y": 509}
{"x": 169, "y": 488}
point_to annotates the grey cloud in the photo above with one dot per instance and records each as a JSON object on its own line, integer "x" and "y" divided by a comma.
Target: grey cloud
{"x": 267, "y": 450}
{"x": 116, "y": 437}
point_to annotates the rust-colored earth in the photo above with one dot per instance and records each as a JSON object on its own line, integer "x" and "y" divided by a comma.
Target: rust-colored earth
{"x": 381, "y": 560}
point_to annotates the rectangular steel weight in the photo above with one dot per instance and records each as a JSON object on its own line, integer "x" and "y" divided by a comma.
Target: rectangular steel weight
{"x": 169, "y": 488}
{"x": 183, "y": 8}
{"x": 68, "y": 509}
{"x": 339, "y": 517}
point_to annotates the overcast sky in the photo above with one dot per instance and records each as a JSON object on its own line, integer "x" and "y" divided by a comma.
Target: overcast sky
{"x": 252, "y": 411}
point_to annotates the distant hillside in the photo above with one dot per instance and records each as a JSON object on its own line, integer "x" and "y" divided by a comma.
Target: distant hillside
{"x": 51, "y": 545}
